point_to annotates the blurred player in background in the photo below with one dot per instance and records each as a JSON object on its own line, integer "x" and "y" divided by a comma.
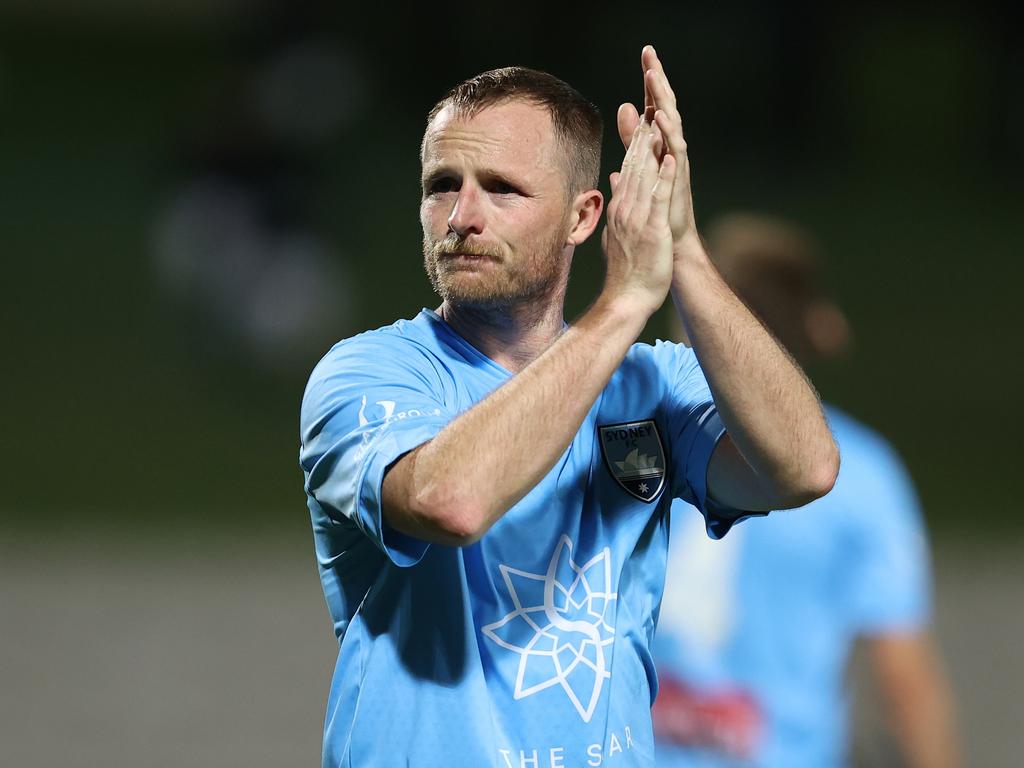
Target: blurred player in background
{"x": 756, "y": 630}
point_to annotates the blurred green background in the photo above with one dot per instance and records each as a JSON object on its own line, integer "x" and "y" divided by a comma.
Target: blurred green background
{"x": 893, "y": 135}
{"x": 197, "y": 198}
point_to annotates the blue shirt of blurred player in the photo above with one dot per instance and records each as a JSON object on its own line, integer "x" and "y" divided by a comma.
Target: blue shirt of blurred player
{"x": 755, "y": 629}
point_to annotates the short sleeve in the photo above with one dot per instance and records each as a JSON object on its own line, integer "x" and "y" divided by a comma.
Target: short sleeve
{"x": 368, "y": 403}
{"x": 694, "y": 428}
{"x": 890, "y": 574}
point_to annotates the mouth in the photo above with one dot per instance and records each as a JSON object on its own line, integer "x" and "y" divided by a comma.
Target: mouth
{"x": 468, "y": 258}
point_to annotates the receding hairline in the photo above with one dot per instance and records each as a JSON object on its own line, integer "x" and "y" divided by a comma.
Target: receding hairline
{"x": 473, "y": 108}
{"x": 469, "y": 111}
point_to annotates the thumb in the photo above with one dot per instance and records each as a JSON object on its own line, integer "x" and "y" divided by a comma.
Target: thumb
{"x": 627, "y": 120}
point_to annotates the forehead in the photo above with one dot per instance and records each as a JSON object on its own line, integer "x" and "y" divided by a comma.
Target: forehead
{"x": 515, "y": 135}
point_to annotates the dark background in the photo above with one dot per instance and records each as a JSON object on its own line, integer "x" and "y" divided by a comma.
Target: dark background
{"x": 893, "y": 135}
{"x": 197, "y": 198}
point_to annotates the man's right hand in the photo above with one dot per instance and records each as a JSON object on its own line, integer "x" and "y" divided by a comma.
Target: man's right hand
{"x": 637, "y": 239}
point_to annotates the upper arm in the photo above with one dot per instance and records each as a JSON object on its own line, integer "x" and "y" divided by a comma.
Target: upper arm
{"x": 697, "y": 435}
{"x": 364, "y": 409}
{"x": 733, "y": 482}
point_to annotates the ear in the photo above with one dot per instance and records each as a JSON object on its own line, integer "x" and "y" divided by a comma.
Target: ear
{"x": 586, "y": 213}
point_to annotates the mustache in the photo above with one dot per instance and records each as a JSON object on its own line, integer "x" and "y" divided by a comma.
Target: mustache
{"x": 454, "y": 245}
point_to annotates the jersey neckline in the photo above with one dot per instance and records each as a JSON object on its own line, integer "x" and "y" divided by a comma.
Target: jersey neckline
{"x": 457, "y": 340}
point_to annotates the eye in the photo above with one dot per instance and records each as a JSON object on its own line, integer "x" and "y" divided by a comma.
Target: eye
{"x": 441, "y": 185}
{"x": 503, "y": 188}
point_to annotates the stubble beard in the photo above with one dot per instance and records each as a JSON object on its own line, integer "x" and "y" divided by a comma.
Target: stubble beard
{"x": 507, "y": 284}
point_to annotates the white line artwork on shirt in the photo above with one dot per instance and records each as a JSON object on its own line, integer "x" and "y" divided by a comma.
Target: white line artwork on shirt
{"x": 558, "y": 627}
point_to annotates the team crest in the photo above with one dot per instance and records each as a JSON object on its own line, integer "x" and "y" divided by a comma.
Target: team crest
{"x": 634, "y": 455}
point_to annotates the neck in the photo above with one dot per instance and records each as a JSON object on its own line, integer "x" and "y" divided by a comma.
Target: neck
{"x": 513, "y": 337}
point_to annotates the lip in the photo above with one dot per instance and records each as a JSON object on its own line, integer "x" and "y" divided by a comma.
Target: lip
{"x": 473, "y": 258}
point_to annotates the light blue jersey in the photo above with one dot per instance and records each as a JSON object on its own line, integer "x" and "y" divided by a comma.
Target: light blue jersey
{"x": 756, "y": 630}
{"x": 530, "y": 648}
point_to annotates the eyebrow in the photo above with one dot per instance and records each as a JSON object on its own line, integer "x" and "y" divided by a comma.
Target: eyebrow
{"x": 438, "y": 173}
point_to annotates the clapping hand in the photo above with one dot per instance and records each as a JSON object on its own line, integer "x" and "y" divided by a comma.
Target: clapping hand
{"x": 660, "y": 109}
{"x": 637, "y": 239}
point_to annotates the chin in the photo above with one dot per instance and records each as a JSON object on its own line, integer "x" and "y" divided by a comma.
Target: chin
{"x": 476, "y": 299}
{"x": 469, "y": 289}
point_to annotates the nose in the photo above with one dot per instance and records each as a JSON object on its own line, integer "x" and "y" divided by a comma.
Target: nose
{"x": 467, "y": 216}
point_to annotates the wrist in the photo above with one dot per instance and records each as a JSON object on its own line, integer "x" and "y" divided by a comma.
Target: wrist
{"x": 623, "y": 311}
{"x": 690, "y": 250}
{"x": 629, "y": 306}
{"x": 692, "y": 268}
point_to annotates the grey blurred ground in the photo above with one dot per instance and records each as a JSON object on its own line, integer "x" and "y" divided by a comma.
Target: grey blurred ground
{"x": 162, "y": 650}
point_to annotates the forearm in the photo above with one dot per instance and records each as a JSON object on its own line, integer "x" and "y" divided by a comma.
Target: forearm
{"x": 925, "y": 733}
{"x": 770, "y": 410}
{"x": 455, "y": 487}
{"x": 918, "y": 699}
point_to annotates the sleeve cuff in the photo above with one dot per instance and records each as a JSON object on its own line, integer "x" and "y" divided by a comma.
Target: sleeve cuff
{"x": 403, "y": 550}
{"x": 718, "y": 519}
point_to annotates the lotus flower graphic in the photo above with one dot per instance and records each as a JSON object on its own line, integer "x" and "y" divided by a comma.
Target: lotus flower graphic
{"x": 558, "y": 627}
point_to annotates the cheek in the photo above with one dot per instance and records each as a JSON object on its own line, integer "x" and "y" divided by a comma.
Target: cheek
{"x": 432, "y": 216}
{"x": 554, "y": 228}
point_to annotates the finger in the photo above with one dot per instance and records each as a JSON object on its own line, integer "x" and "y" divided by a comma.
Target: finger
{"x": 651, "y": 60}
{"x": 627, "y": 121}
{"x": 646, "y": 177}
{"x": 620, "y": 203}
{"x": 672, "y": 132}
{"x": 661, "y": 195}
{"x": 633, "y": 170}
{"x": 614, "y": 179}
{"x": 664, "y": 96}
{"x": 641, "y": 152}
{"x": 629, "y": 160}
{"x": 648, "y": 60}
{"x": 658, "y": 142}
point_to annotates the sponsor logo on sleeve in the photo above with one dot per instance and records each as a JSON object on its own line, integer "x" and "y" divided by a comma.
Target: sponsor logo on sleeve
{"x": 387, "y": 414}
{"x": 387, "y": 405}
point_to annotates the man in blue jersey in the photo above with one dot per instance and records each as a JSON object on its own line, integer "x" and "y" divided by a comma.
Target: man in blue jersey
{"x": 489, "y": 486}
{"x": 756, "y": 630}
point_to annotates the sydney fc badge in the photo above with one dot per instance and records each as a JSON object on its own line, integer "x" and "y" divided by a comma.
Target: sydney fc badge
{"x": 634, "y": 455}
